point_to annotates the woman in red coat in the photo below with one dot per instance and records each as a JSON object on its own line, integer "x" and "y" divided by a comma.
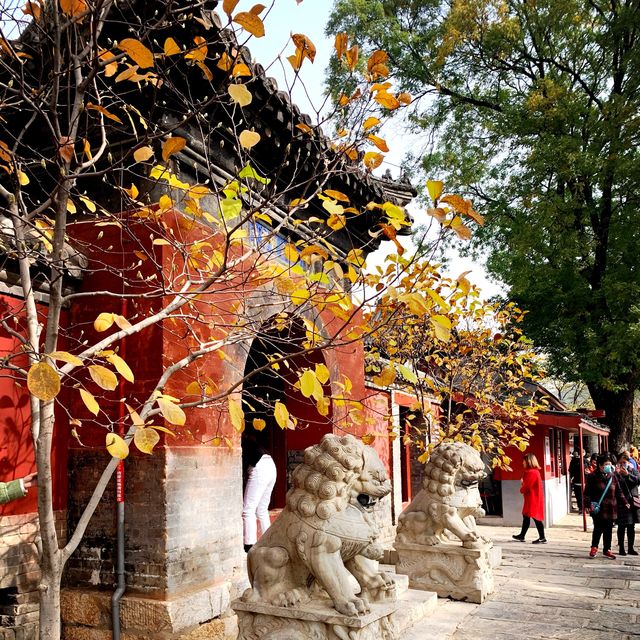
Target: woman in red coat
{"x": 533, "y": 499}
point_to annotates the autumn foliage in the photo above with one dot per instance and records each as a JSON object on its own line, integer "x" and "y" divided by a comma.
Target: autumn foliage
{"x": 442, "y": 341}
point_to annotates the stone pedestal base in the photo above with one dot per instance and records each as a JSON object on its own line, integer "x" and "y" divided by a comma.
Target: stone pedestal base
{"x": 315, "y": 620}
{"x": 450, "y": 570}
{"x": 86, "y": 615}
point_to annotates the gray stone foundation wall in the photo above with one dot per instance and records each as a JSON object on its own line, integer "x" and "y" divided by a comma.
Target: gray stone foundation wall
{"x": 19, "y": 574}
{"x": 184, "y": 557}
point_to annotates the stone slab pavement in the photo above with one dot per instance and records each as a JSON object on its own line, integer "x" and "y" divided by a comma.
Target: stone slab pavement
{"x": 546, "y": 591}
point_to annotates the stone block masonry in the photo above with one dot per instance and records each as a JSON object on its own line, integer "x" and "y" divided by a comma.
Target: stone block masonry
{"x": 184, "y": 558}
{"x": 19, "y": 574}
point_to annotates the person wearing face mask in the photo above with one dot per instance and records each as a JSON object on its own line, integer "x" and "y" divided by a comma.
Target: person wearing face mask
{"x": 628, "y": 480}
{"x": 601, "y": 496}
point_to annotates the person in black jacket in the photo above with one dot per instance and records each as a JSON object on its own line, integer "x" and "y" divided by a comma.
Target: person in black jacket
{"x": 575, "y": 474}
{"x": 601, "y": 496}
{"x": 628, "y": 480}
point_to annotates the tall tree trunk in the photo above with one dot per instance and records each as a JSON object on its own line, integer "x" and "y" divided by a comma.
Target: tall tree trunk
{"x": 618, "y": 407}
{"x": 50, "y": 626}
{"x": 51, "y": 556}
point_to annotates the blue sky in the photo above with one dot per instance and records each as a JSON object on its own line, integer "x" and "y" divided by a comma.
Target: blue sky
{"x": 310, "y": 18}
{"x": 287, "y": 17}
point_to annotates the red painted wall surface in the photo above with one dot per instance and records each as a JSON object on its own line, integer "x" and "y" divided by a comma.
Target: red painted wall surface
{"x": 110, "y": 251}
{"x": 16, "y": 446}
{"x": 156, "y": 347}
{"x": 378, "y": 408}
{"x": 536, "y": 446}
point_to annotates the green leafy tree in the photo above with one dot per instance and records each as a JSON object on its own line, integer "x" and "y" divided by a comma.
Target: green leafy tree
{"x": 542, "y": 100}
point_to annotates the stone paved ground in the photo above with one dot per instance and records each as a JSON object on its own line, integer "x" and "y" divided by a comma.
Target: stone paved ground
{"x": 546, "y": 591}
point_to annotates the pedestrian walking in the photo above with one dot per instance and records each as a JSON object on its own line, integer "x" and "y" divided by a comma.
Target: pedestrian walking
{"x": 628, "y": 480}
{"x": 261, "y": 478}
{"x": 631, "y": 460}
{"x": 575, "y": 474}
{"x": 601, "y": 494}
{"x": 531, "y": 489}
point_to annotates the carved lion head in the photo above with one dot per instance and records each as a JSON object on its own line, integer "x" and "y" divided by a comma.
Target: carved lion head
{"x": 452, "y": 466}
{"x": 336, "y": 471}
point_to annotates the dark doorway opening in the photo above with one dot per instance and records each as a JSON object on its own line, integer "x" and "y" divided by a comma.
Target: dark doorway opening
{"x": 275, "y": 382}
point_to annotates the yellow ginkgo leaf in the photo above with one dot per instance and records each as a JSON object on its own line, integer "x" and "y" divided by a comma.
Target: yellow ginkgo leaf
{"x": 90, "y": 402}
{"x": 121, "y": 321}
{"x": 73, "y": 7}
{"x": 229, "y": 5}
{"x": 240, "y": 94}
{"x": 337, "y": 195}
{"x": 198, "y": 53}
{"x": 370, "y": 122}
{"x": 136, "y": 420}
{"x": 250, "y": 22}
{"x": 103, "y": 377}
{"x": 142, "y": 56}
{"x": 372, "y": 160}
{"x": 145, "y": 439}
{"x": 116, "y": 446}
{"x": 23, "y": 178}
{"x": 89, "y": 204}
{"x": 281, "y": 414}
{"x": 248, "y": 139}
{"x": 408, "y": 374}
{"x": 171, "y": 47}
{"x": 43, "y": 381}
{"x": 64, "y": 356}
{"x": 442, "y": 326}
{"x": 103, "y": 322}
{"x": 236, "y": 414}
{"x": 386, "y": 376}
{"x": 368, "y": 439}
{"x": 336, "y": 221}
{"x": 434, "y": 187}
{"x": 171, "y": 412}
{"x": 300, "y": 296}
{"x": 240, "y": 70}
{"x": 307, "y": 383}
{"x": 104, "y": 112}
{"x": 193, "y": 388}
{"x": 172, "y": 145}
{"x": 142, "y": 154}
{"x": 322, "y": 373}
{"x": 259, "y": 424}
{"x": 121, "y": 366}
{"x": 387, "y": 100}
{"x": 291, "y": 253}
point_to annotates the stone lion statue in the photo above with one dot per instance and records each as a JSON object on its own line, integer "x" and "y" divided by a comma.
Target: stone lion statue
{"x": 326, "y": 535}
{"x": 449, "y": 500}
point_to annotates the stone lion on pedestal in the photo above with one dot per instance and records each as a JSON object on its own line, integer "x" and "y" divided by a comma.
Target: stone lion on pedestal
{"x": 449, "y": 500}
{"x": 326, "y": 535}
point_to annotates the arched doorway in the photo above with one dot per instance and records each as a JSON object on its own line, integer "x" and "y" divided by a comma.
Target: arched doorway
{"x": 276, "y": 383}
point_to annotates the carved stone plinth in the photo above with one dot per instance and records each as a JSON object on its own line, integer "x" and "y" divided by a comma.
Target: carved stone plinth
{"x": 448, "y": 569}
{"x": 314, "y": 620}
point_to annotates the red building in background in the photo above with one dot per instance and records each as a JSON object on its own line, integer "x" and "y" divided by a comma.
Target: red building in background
{"x": 556, "y": 433}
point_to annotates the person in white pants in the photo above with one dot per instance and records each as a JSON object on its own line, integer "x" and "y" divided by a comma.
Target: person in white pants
{"x": 257, "y": 495}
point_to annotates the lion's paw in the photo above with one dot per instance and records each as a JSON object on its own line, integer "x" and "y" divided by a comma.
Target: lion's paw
{"x": 352, "y": 607}
{"x": 380, "y": 580}
{"x": 474, "y": 542}
{"x": 291, "y": 598}
{"x": 250, "y": 595}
